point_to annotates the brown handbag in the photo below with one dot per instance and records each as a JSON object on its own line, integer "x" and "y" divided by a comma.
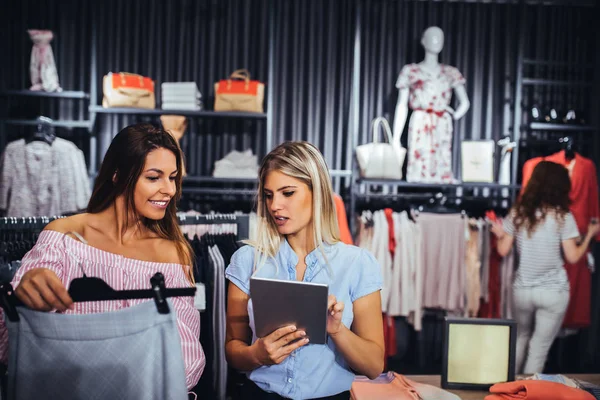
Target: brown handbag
{"x": 122, "y": 89}
{"x": 239, "y": 93}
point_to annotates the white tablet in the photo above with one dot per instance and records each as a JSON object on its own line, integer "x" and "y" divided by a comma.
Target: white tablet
{"x": 278, "y": 303}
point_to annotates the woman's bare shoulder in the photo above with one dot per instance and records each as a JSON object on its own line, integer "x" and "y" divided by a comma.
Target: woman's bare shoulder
{"x": 74, "y": 223}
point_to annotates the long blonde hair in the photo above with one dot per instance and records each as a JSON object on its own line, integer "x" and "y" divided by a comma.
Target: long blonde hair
{"x": 303, "y": 161}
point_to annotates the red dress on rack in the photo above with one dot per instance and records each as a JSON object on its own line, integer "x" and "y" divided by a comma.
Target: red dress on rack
{"x": 584, "y": 206}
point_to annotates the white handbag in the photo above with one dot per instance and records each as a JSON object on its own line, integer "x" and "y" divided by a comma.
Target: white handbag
{"x": 381, "y": 160}
{"x": 477, "y": 160}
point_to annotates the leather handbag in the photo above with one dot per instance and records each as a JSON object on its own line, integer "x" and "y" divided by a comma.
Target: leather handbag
{"x": 239, "y": 93}
{"x": 381, "y": 160}
{"x": 477, "y": 160}
{"x": 122, "y": 89}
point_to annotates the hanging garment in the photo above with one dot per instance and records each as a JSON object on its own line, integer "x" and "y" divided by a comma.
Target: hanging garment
{"x": 473, "y": 265}
{"x": 39, "y": 179}
{"x": 133, "y": 353}
{"x": 42, "y": 68}
{"x": 342, "y": 219}
{"x": 407, "y": 272}
{"x": 66, "y": 257}
{"x": 491, "y": 307}
{"x": 584, "y": 207}
{"x": 444, "y": 245}
{"x": 430, "y": 127}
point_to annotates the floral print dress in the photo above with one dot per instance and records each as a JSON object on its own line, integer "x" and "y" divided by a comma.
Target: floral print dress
{"x": 430, "y": 127}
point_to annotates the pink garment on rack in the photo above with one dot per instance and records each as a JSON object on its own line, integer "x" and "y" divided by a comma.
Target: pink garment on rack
{"x": 444, "y": 245}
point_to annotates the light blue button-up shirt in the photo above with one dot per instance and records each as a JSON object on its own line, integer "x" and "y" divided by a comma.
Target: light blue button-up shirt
{"x": 313, "y": 370}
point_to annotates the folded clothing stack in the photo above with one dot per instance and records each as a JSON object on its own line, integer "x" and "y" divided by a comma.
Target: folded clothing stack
{"x": 237, "y": 164}
{"x": 180, "y": 96}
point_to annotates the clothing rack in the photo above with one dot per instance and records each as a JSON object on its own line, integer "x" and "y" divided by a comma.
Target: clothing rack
{"x": 25, "y": 223}
{"x": 241, "y": 220}
{"x": 36, "y": 224}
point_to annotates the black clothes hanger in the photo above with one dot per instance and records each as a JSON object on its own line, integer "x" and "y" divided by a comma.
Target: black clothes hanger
{"x": 567, "y": 145}
{"x": 95, "y": 289}
{"x": 44, "y": 131}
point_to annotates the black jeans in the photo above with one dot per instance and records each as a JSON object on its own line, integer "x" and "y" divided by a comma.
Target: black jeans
{"x": 252, "y": 392}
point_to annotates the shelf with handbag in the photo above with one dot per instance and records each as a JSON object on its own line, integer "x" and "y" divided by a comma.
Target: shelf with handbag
{"x": 129, "y": 93}
{"x": 187, "y": 113}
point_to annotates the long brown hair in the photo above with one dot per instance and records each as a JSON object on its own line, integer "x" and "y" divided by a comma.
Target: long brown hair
{"x": 548, "y": 190}
{"x": 125, "y": 161}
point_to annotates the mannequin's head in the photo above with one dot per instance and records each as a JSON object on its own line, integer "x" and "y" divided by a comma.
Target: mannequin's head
{"x": 433, "y": 40}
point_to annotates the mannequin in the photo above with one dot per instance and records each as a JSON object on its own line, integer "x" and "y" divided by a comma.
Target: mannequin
{"x": 505, "y": 157}
{"x": 428, "y": 86}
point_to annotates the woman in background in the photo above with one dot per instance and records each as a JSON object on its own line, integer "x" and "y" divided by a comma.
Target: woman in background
{"x": 543, "y": 227}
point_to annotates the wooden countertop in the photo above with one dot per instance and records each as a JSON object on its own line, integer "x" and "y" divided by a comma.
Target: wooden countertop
{"x": 435, "y": 380}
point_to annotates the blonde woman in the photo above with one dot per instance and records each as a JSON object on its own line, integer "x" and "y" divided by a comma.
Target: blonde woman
{"x": 298, "y": 239}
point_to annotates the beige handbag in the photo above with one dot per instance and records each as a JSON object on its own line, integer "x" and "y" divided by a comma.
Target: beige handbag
{"x": 477, "y": 160}
{"x": 176, "y": 126}
{"x": 381, "y": 160}
{"x": 234, "y": 94}
{"x": 122, "y": 89}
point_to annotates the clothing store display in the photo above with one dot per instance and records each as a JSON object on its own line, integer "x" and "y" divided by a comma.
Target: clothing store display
{"x": 67, "y": 258}
{"x": 42, "y": 67}
{"x": 351, "y": 273}
{"x": 539, "y": 313}
{"x": 340, "y": 210}
{"x": 437, "y": 263}
{"x": 38, "y": 178}
{"x": 180, "y": 96}
{"x": 477, "y": 160}
{"x": 393, "y": 386}
{"x": 139, "y": 356}
{"x": 431, "y": 125}
{"x": 536, "y": 390}
{"x": 124, "y": 89}
{"x": 584, "y": 207}
{"x": 237, "y": 164}
{"x": 380, "y": 160}
{"x": 239, "y": 93}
